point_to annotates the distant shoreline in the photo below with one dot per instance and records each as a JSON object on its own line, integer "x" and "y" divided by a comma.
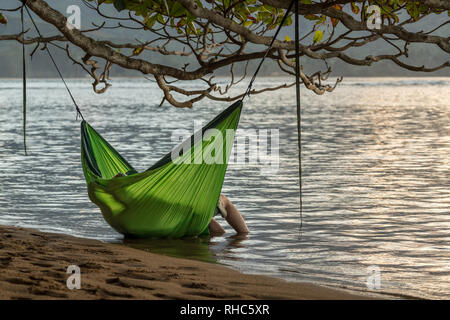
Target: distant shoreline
{"x": 34, "y": 266}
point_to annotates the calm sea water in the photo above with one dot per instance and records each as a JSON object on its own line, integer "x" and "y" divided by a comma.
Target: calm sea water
{"x": 376, "y": 177}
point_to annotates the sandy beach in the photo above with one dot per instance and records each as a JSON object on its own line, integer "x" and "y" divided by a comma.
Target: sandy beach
{"x": 34, "y": 266}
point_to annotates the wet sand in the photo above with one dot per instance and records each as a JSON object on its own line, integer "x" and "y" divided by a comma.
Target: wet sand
{"x": 34, "y": 266}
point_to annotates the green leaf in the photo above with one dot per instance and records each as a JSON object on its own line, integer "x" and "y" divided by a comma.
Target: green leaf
{"x": 190, "y": 18}
{"x": 321, "y": 20}
{"x": 120, "y": 5}
{"x": 138, "y": 51}
{"x": 306, "y": 1}
{"x": 3, "y": 19}
{"x": 318, "y": 36}
{"x": 160, "y": 18}
{"x": 177, "y": 9}
{"x": 288, "y": 21}
{"x": 423, "y": 8}
{"x": 198, "y": 2}
{"x": 312, "y": 17}
{"x": 150, "y": 22}
{"x": 413, "y": 10}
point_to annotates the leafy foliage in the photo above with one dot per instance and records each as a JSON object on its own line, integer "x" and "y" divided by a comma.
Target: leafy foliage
{"x": 250, "y": 13}
{"x": 3, "y": 19}
{"x": 254, "y": 14}
{"x": 212, "y": 35}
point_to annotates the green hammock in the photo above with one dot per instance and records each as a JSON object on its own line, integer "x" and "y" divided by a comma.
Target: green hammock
{"x": 175, "y": 197}
{"x": 178, "y": 195}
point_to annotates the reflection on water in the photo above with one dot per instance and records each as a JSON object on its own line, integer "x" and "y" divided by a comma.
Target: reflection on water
{"x": 189, "y": 248}
{"x": 376, "y": 177}
{"x": 200, "y": 248}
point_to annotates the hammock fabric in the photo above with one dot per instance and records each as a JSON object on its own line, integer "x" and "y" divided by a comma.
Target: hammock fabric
{"x": 175, "y": 197}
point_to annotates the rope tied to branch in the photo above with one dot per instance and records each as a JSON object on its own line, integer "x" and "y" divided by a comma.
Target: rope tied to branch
{"x": 269, "y": 48}
{"x": 77, "y": 108}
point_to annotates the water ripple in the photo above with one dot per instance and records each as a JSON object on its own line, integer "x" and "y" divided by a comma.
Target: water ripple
{"x": 376, "y": 177}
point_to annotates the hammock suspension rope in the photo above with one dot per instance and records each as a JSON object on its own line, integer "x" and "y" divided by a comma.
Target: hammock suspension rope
{"x": 24, "y": 86}
{"x": 53, "y": 61}
{"x": 101, "y": 162}
{"x": 299, "y": 120}
{"x": 248, "y": 91}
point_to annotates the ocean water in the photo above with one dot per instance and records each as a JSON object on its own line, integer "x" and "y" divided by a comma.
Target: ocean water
{"x": 376, "y": 177}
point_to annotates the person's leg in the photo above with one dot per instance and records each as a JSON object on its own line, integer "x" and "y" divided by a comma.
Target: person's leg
{"x": 215, "y": 229}
{"x": 234, "y": 217}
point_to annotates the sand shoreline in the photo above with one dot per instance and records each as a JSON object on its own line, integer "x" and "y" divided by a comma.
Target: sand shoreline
{"x": 34, "y": 266}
